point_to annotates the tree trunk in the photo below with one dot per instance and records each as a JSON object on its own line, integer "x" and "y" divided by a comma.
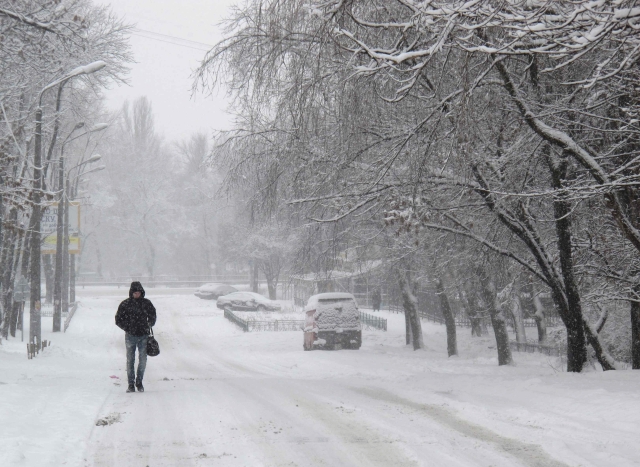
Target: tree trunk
{"x": 472, "y": 313}
{"x": 26, "y": 254}
{"x": 6, "y": 266}
{"x": 541, "y": 322}
{"x": 72, "y": 278}
{"x": 4, "y": 286}
{"x": 476, "y": 326}
{"x": 254, "y": 276}
{"x": 98, "y": 260}
{"x": 449, "y": 319}
{"x": 635, "y": 334}
{"x": 576, "y": 342}
{"x": 488, "y": 290}
{"x": 271, "y": 276}
{"x": 607, "y": 362}
{"x": 15, "y": 315}
{"x": 2, "y": 241}
{"x": 48, "y": 278}
{"x": 272, "y": 287}
{"x": 410, "y": 305}
{"x": 7, "y": 307}
{"x": 16, "y": 306}
{"x": 518, "y": 320}
{"x": 408, "y": 336}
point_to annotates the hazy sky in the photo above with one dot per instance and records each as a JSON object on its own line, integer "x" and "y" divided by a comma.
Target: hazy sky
{"x": 163, "y": 68}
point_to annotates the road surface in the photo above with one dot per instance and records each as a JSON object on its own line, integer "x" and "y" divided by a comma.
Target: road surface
{"x": 216, "y": 396}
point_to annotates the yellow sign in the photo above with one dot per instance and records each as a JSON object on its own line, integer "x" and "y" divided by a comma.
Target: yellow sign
{"x": 48, "y": 228}
{"x": 50, "y": 244}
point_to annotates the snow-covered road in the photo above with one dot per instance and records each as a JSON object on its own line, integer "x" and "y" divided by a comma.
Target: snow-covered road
{"x": 218, "y": 396}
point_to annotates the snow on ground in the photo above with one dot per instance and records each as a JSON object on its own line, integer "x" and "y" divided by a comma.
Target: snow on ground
{"x": 219, "y": 397}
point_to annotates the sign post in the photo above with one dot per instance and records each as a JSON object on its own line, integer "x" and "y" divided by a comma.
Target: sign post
{"x": 21, "y": 294}
{"x": 49, "y": 228}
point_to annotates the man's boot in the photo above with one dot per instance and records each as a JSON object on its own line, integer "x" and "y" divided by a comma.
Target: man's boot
{"x": 131, "y": 388}
{"x": 140, "y": 387}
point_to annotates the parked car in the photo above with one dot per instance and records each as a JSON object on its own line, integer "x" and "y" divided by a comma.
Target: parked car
{"x": 247, "y": 301}
{"x": 332, "y": 322}
{"x": 213, "y": 291}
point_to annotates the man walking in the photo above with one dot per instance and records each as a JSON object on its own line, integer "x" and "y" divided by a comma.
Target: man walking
{"x": 376, "y": 300}
{"x": 135, "y": 316}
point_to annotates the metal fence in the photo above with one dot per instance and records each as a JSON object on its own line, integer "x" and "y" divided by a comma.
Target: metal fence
{"x": 438, "y": 319}
{"x": 465, "y": 322}
{"x": 70, "y": 316}
{"x": 47, "y": 312}
{"x": 531, "y": 348}
{"x": 372, "y": 322}
{"x": 230, "y": 315}
{"x": 277, "y": 325}
{"x": 248, "y": 325}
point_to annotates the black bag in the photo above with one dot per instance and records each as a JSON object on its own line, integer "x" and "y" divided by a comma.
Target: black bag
{"x": 153, "y": 348}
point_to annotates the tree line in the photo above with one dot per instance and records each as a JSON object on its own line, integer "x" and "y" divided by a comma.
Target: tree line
{"x": 489, "y": 149}
{"x": 56, "y": 57}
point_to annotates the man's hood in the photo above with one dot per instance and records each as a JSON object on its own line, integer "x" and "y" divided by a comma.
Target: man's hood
{"x": 136, "y": 287}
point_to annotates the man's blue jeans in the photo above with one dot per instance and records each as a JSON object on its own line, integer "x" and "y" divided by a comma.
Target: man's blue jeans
{"x": 131, "y": 343}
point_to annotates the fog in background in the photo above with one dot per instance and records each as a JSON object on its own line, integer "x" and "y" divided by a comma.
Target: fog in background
{"x": 154, "y": 210}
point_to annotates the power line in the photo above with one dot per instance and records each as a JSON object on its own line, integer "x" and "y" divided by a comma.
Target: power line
{"x": 196, "y": 45}
{"x": 170, "y": 42}
{"x": 173, "y": 37}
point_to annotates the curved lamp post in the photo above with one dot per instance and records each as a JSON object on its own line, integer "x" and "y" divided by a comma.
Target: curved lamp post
{"x": 65, "y": 255}
{"x": 57, "y": 280}
{"x": 35, "y": 335}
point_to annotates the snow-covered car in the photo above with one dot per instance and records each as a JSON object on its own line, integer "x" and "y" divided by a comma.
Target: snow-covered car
{"x": 332, "y": 322}
{"x": 213, "y": 291}
{"x": 247, "y": 301}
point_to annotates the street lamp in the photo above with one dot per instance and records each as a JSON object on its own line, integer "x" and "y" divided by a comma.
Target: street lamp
{"x": 57, "y": 281}
{"x": 35, "y": 336}
{"x": 65, "y": 249}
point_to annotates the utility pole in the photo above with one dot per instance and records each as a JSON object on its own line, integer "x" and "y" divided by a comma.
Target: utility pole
{"x": 65, "y": 252}
{"x": 58, "y": 287}
{"x": 35, "y": 333}
{"x": 35, "y": 305}
{"x": 66, "y": 257}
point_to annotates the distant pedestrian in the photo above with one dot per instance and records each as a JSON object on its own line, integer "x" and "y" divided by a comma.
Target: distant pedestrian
{"x": 376, "y": 300}
{"x": 135, "y": 316}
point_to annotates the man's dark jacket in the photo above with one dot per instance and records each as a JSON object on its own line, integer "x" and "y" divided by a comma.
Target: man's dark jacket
{"x": 135, "y": 315}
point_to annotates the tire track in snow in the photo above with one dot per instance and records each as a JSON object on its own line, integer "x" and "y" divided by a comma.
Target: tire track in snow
{"x": 531, "y": 455}
{"x": 366, "y": 444}
{"x": 195, "y": 343}
{"x": 150, "y": 431}
{"x": 313, "y": 433}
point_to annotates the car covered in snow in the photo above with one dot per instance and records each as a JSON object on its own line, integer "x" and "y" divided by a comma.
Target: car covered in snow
{"x": 332, "y": 322}
{"x": 213, "y": 291}
{"x": 247, "y": 301}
